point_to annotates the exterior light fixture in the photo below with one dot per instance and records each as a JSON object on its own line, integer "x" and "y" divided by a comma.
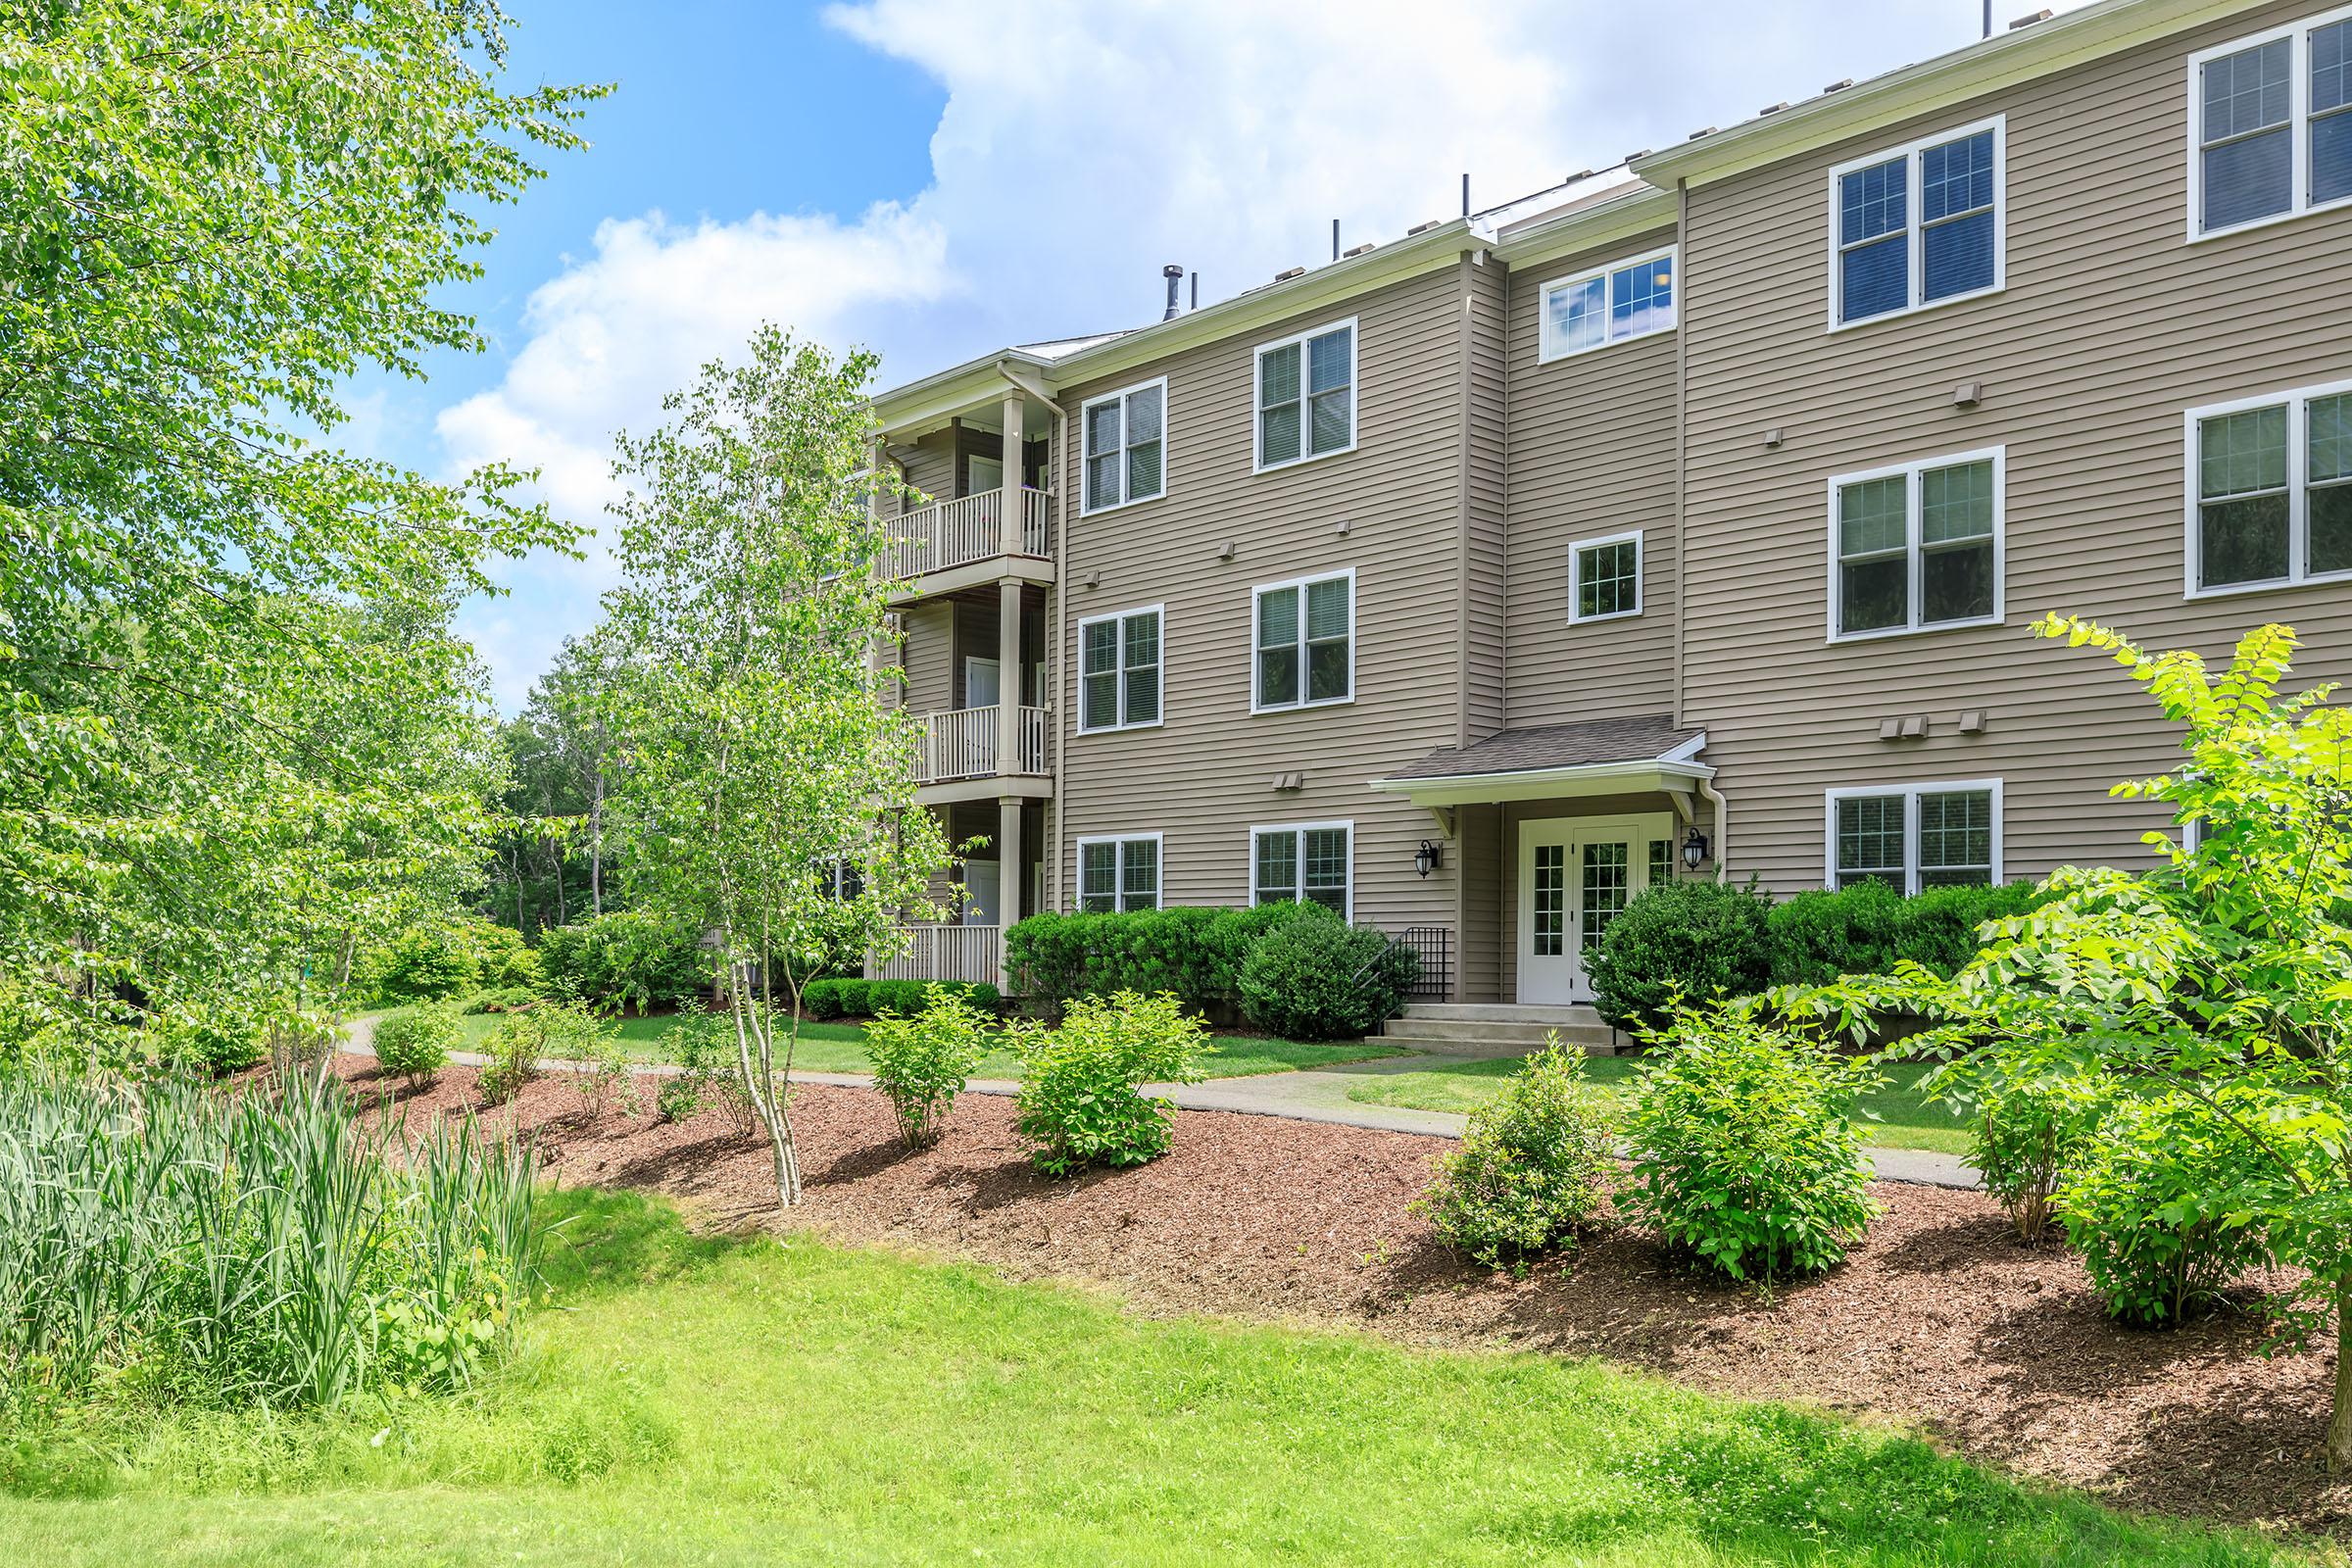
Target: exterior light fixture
{"x": 1428, "y": 858}
{"x": 1695, "y": 849}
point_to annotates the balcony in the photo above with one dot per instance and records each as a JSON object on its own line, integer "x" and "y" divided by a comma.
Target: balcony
{"x": 970, "y": 540}
{"x": 959, "y": 757}
{"x": 973, "y": 953}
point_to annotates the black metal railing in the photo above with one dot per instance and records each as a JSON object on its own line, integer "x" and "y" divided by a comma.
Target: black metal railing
{"x": 1433, "y": 945}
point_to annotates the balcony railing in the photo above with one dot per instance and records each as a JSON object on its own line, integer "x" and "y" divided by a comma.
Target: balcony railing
{"x": 949, "y": 952}
{"x": 961, "y": 743}
{"x": 967, "y": 530}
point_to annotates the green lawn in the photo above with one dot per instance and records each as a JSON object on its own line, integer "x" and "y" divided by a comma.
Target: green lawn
{"x": 1907, "y": 1119}
{"x": 712, "y": 1402}
{"x": 841, "y": 1048}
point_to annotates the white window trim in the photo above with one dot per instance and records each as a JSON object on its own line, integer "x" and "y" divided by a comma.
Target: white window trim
{"x": 2298, "y": 126}
{"x": 1299, "y": 830}
{"x": 1118, "y": 892}
{"x": 1999, "y": 456}
{"x": 1547, "y": 348}
{"x": 1122, "y": 616}
{"x": 1120, "y": 397}
{"x": 2298, "y": 493}
{"x": 1355, "y": 396}
{"x": 1576, "y": 576}
{"x": 1911, "y": 794}
{"x": 1355, "y": 638}
{"x": 1915, "y": 224}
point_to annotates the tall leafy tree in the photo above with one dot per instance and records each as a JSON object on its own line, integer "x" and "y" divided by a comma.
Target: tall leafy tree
{"x": 228, "y": 693}
{"x": 766, "y": 787}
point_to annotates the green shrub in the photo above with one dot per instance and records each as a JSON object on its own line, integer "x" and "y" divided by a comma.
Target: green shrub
{"x": 1743, "y": 1145}
{"x": 894, "y": 995}
{"x": 2155, "y": 1205}
{"x": 845, "y": 997}
{"x": 216, "y": 1047}
{"x": 2023, "y": 1137}
{"x": 1079, "y": 1102}
{"x": 415, "y": 1043}
{"x": 1679, "y": 941}
{"x": 628, "y": 958}
{"x": 1195, "y": 953}
{"x": 922, "y": 1061}
{"x": 519, "y": 1042}
{"x": 505, "y": 998}
{"x": 1818, "y": 937}
{"x": 1532, "y": 1167}
{"x": 604, "y": 1077}
{"x": 1324, "y": 980}
{"x": 426, "y": 963}
{"x": 502, "y": 959}
{"x": 822, "y": 999}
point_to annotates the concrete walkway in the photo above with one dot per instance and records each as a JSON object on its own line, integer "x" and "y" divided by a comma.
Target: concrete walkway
{"x": 1312, "y": 1093}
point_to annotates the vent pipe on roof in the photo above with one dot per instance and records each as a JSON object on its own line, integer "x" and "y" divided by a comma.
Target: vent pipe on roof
{"x": 1988, "y": 18}
{"x": 1196, "y": 305}
{"x": 1466, "y": 194}
{"x": 1174, "y": 275}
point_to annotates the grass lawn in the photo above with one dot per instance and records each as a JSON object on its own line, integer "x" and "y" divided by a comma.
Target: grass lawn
{"x": 841, "y": 1048}
{"x": 1907, "y": 1119}
{"x": 701, "y": 1400}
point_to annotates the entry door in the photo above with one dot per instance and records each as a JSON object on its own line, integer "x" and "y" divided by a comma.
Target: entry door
{"x": 983, "y": 475}
{"x": 983, "y": 888}
{"x": 1575, "y": 876}
{"x": 980, "y": 683}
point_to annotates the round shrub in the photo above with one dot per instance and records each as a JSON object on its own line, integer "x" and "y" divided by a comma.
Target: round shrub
{"x": 1080, "y": 1104}
{"x": 628, "y": 956}
{"x": 822, "y": 999}
{"x": 1679, "y": 941}
{"x": 415, "y": 1043}
{"x": 2158, "y": 1207}
{"x": 923, "y": 1060}
{"x": 1532, "y": 1167}
{"x": 426, "y": 964}
{"x": 2024, "y": 1136}
{"x": 1325, "y": 980}
{"x": 1744, "y": 1148}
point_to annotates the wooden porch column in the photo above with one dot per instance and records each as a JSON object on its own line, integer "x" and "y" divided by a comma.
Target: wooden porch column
{"x": 1009, "y": 863}
{"x": 1008, "y": 677}
{"x": 1009, "y": 501}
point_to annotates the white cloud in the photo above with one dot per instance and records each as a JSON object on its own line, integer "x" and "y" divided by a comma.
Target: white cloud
{"x": 1083, "y": 145}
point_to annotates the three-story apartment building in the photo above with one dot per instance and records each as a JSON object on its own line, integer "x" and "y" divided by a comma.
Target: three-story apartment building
{"x": 1686, "y": 519}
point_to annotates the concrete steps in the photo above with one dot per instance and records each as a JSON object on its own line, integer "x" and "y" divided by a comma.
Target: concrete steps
{"x": 1498, "y": 1029}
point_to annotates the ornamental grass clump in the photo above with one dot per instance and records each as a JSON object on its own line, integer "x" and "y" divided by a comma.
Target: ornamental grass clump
{"x": 1080, "y": 1102}
{"x": 1532, "y": 1168}
{"x": 922, "y": 1061}
{"x": 1745, "y": 1153}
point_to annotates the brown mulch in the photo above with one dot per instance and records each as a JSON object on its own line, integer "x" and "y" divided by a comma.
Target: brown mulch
{"x": 1939, "y": 1322}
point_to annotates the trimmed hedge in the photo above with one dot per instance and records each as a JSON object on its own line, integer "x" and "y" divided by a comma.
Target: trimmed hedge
{"x": 851, "y": 997}
{"x": 1195, "y": 953}
{"x": 1818, "y": 937}
{"x": 1321, "y": 980}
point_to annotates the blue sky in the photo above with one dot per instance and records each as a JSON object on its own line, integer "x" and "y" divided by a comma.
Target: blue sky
{"x": 936, "y": 178}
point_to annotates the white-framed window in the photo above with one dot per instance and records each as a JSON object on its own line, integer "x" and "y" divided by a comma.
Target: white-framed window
{"x": 1306, "y": 396}
{"x": 2269, "y": 490}
{"x": 1303, "y": 642}
{"x": 1608, "y": 305}
{"x": 1118, "y": 872}
{"x": 841, "y": 879}
{"x": 2270, "y": 126}
{"x": 1915, "y": 836}
{"x": 1126, "y": 435}
{"x": 1304, "y": 862}
{"x": 1918, "y": 225}
{"x": 1119, "y": 661}
{"x": 1917, "y": 546}
{"x": 1605, "y": 577}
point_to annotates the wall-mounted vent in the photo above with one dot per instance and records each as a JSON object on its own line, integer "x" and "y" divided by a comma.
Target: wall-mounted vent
{"x": 1839, "y": 86}
{"x": 1423, "y": 229}
{"x": 1694, "y": 135}
{"x": 2028, "y": 22}
{"x": 1366, "y": 248}
{"x": 1772, "y": 109}
{"x": 1289, "y": 273}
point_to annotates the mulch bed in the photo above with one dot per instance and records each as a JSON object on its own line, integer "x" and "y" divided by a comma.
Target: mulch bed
{"x": 1939, "y": 1322}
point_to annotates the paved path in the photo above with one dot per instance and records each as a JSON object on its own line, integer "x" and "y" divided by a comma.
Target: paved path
{"x": 1313, "y": 1093}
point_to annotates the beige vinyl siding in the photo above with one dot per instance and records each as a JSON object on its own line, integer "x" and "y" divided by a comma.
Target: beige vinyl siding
{"x": 1479, "y": 954}
{"x": 930, "y": 469}
{"x": 928, "y": 655}
{"x": 1592, "y": 453}
{"x": 1204, "y": 777}
{"x": 2110, "y": 327}
{"x": 1483, "y": 395}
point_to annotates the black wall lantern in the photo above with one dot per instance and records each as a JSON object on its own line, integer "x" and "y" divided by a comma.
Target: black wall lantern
{"x": 1428, "y": 858}
{"x": 1695, "y": 849}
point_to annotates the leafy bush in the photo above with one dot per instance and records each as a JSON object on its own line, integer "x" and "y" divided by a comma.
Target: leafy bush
{"x": 923, "y": 1060}
{"x": 415, "y": 1043}
{"x": 1821, "y": 936}
{"x": 628, "y": 958}
{"x": 2156, "y": 1207}
{"x": 850, "y": 998}
{"x": 2024, "y": 1136}
{"x": 605, "y": 1077}
{"x": 710, "y": 1072}
{"x": 894, "y": 995}
{"x": 502, "y": 959}
{"x": 1196, "y": 954}
{"x": 520, "y": 1041}
{"x": 426, "y": 963}
{"x": 214, "y": 1046}
{"x": 1079, "y": 1102}
{"x": 1323, "y": 980}
{"x": 1679, "y": 941}
{"x": 1533, "y": 1166}
{"x": 1744, "y": 1144}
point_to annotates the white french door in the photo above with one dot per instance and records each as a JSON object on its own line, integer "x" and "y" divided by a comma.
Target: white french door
{"x": 1575, "y": 874}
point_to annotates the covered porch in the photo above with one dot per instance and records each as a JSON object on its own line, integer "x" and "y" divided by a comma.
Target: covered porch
{"x": 1000, "y": 878}
{"x": 1555, "y": 828}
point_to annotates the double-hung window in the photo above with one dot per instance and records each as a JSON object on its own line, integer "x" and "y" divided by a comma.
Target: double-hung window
{"x": 1918, "y": 225}
{"x": 1306, "y": 643}
{"x": 1916, "y": 836}
{"x": 1119, "y": 670}
{"x": 1605, "y": 577}
{"x": 2271, "y": 124}
{"x": 1306, "y": 396}
{"x": 1917, "y": 546}
{"x": 1304, "y": 862}
{"x": 1118, "y": 875}
{"x": 2269, "y": 490}
{"x": 1126, "y": 446}
{"x": 1624, "y": 299}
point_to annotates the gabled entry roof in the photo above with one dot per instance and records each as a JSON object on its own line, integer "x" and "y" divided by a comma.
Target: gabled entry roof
{"x": 1598, "y": 757}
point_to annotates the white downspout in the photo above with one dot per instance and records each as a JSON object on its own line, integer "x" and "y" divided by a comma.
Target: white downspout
{"x": 1723, "y": 827}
